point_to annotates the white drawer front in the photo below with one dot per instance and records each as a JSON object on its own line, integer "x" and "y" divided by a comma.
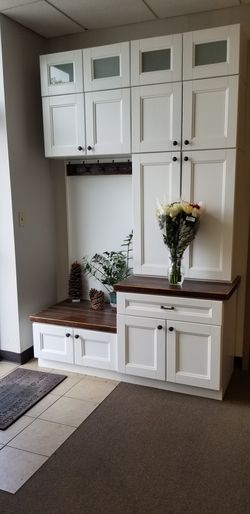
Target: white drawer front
{"x": 170, "y": 308}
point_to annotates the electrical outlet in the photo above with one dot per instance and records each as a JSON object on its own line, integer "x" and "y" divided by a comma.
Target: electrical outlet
{"x": 21, "y": 219}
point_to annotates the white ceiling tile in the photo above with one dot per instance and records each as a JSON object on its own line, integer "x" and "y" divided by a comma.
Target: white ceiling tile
{"x": 167, "y": 8}
{"x": 7, "y": 4}
{"x": 95, "y": 14}
{"x": 43, "y": 19}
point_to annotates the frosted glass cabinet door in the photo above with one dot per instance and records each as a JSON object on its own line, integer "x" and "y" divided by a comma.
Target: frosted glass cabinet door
{"x": 106, "y": 67}
{"x": 108, "y": 122}
{"x": 211, "y": 52}
{"x": 209, "y": 177}
{"x": 63, "y": 119}
{"x": 155, "y": 176}
{"x": 155, "y": 60}
{"x": 156, "y": 118}
{"x": 210, "y": 113}
{"x": 61, "y": 73}
{"x": 194, "y": 354}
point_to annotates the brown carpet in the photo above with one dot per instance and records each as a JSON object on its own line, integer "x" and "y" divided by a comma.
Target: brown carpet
{"x": 147, "y": 451}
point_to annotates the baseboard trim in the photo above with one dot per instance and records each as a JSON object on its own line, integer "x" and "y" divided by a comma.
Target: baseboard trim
{"x": 238, "y": 362}
{"x": 20, "y": 358}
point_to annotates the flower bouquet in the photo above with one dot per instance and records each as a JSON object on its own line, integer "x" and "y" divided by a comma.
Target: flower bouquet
{"x": 178, "y": 222}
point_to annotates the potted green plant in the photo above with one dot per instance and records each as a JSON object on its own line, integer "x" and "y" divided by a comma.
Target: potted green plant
{"x": 110, "y": 267}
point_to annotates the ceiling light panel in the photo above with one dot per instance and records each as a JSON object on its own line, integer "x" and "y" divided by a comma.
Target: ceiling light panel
{"x": 95, "y": 14}
{"x": 43, "y": 19}
{"x": 167, "y": 8}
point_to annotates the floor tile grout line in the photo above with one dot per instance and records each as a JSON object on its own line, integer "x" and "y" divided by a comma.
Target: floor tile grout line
{"x": 28, "y": 451}
{"x": 20, "y": 430}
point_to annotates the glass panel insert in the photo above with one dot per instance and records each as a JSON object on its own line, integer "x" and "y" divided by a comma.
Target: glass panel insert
{"x": 156, "y": 60}
{"x": 210, "y": 53}
{"x": 106, "y": 67}
{"x": 61, "y": 73}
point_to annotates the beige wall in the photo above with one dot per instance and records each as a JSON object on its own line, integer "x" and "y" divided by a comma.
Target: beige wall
{"x": 32, "y": 188}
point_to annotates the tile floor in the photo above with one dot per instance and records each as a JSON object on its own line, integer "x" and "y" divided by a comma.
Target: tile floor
{"x": 33, "y": 438}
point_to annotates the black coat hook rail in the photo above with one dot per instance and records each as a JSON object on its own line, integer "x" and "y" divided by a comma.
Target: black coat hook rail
{"x": 99, "y": 168}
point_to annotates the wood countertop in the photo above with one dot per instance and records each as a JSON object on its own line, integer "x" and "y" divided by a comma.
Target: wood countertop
{"x": 190, "y": 288}
{"x": 78, "y": 315}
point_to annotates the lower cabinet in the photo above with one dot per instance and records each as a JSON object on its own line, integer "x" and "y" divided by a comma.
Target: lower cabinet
{"x": 178, "y": 340}
{"x": 141, "y": 346}
{"x": 75, "y": 346}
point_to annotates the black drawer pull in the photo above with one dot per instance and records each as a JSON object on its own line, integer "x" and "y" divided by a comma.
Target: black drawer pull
{"x": 167, "y": 308}
{"x": 76, "y": 336}
{"x": 171, "y": 329}
{"x": 67, "y": 335}
{"x": 159, "y": 327}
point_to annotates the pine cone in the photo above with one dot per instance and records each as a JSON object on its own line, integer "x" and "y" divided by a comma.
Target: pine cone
{"x": 96, "y": 299}
{"x": 75, "y": 281}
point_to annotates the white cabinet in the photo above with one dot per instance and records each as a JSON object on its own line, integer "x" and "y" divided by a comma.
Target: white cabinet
{"x": 193, "y": 337}
{"x": 95, "y": 349}
{"x": 64, "y": 125}
{"x": 53, "y": 342}
{"x": 155, "y": 60}
{"x": 153, "y": 175}
{"x": 61, "y": 73}
{"x": 211, "y": 53}
{"x": 141, "y": 347}
{"x": 156, "y": 118}
{"x": 106, "y": 67}
{"x": 210, "y": 176}
{"x": 173, "y": 339}
{"x": 194, "y": 354}
{"x": 108, "y": 122}
{"x": 83, "y": 347}
{"x": 210, "y": 113}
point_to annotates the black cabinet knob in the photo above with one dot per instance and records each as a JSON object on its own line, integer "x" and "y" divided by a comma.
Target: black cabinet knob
{"x": 159, "y": 327}
{"x": 186, "y": 158}
{"x": 80, "y": 148}
{"x": 174, "y": 159}
{"x": 186, "y": 142}
{"x": 175, "y": 143}
{"x": 76, "y": 336}
{"x": 89, "y": 147}
{"x": 67, "y": 335}
{"x": 171, "y": 329}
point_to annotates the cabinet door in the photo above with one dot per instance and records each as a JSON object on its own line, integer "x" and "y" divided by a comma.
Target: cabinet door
{"x": 156, "y": 59}
{"x": 155, "y": 176}
{"x": 211, "y": 53}
{"x": 95, "y": 349}
{"x": 210, "y": 113}
{"x": 156, "y": 118}
{"x": 141, "y": 346}
{"x": 61, "y": 73}
{"x": 53, "y": 342}
{"x": 108, "y": 122}
{"x": 64, "y": 128}
{"x": 106, "y": 67}
{"x": 194, "y": 354}
{"x": 209, "y": 177}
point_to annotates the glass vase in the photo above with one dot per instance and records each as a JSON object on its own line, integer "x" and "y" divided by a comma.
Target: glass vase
{"x": 112, "y": 295}
{"x": 175, "y": 271}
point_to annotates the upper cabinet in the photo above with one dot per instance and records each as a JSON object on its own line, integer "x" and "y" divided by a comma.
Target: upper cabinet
{"x": 156, "y": 60}
{"x": 106, "y": 67}
{"x": 211, "y": 53}
{"x": 61, "y": 73}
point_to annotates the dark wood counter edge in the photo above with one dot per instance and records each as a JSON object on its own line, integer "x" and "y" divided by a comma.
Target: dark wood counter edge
{"x": 77, "y": 315}
{"x": 73, "y": 324}
{"x": 206, "y": 290}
